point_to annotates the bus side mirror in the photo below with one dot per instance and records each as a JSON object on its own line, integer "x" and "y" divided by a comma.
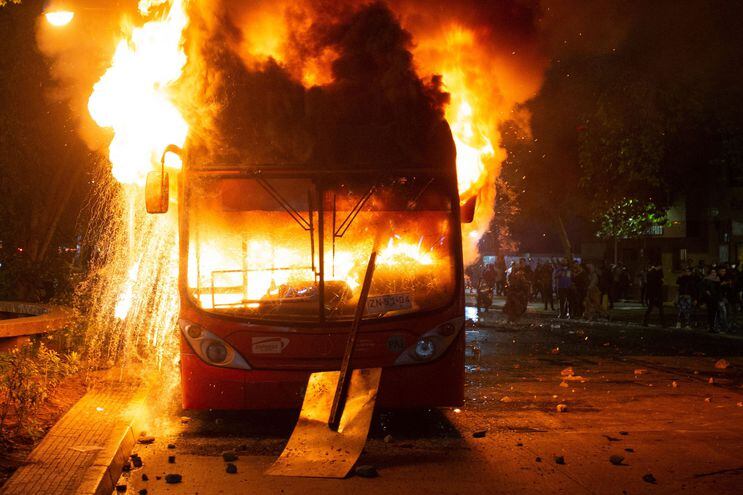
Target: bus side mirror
{"x": 467, "y": 210}
{"x": 157, "y": 192}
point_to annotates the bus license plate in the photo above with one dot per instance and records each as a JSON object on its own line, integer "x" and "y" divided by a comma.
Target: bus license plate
{"x": 388, "y": 302}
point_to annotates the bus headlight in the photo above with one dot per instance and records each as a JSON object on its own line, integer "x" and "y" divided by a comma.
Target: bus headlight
{"x": 210, "y": 348}
{"x": 216, "y": 352}
{"x": 425, "y": 348}
{"x": 432, "y": 344}
{"x": 193, "y": 331}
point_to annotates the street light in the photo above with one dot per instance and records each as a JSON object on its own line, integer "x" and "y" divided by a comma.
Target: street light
{"x": 59, "y": 18}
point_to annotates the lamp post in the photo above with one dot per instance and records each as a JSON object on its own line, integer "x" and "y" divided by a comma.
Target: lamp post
{"x": 59, "y": 18}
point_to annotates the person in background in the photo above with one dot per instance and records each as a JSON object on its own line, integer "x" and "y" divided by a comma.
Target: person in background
{"x": 484, "y": 297}
{"x": 517, "y": 294}
{"x": 655, "y": 294}
{"x": 488, "y": 275}
{"x": 605, "y": 284}
{"x": 500, "y": 276}
{"x": 641, "y": 279}
{"x": 685, "y": 302}
{"x": 723, "y": 304}
{"x": 544, "y": 281}
{"x": 625, "y": 282}
{"x": 711, "y": 293}
{"x": 730, "y": 289}
{"x": 564, "y": 284}
{"x": 580, "y": 289}
{"x": 616, "y": 272}
{"x": 738, "y": 285}
{"x": 525, "y": 269}
{"x": 593, "y": 307}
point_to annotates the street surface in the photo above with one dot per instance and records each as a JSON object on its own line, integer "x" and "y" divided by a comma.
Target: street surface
{"x": 642, "y": 394}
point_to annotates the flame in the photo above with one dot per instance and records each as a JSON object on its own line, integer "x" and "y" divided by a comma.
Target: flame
{"x": 475, "y": 110}
{"x": 473, "y": 146}
{"x": 59, "y": 18}
{"x": 219, "y": 277}
{"x": 402, "y": 253}
{"x": 133, "y": 97}
{"x": 136, "y": 100}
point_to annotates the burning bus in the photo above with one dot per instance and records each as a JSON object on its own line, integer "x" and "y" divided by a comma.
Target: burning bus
{"x": 285, "y": 186}
{"x": 271, "y": 262}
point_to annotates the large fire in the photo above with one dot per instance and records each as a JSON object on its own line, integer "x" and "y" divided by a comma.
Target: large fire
{"x": 133, "y": 99}
{"x": 137, "y": 101}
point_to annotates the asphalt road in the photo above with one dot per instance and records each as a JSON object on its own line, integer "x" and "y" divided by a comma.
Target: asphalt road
{"x": 644, "y": 395}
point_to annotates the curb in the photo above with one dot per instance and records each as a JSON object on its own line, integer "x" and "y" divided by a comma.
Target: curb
{"x": 101, "y": 477}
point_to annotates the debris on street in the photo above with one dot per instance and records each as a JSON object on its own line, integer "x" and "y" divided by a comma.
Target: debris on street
{"x": 366, "y": 471}
{"x": 173, "y": 478}
{"x": 146, "y": 439}
{"x": 229, "y": 456}
{"x": 722, "y": 364}
{"x": 649, "y": 478}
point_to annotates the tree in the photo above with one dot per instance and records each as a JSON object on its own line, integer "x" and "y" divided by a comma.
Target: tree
{"x": 656, "y": 118}
{"x": 627, "y": 219}
{"x": 43, "y": 164}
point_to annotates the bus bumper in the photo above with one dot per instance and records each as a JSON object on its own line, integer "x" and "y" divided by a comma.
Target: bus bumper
{"x": 436, "y": 384}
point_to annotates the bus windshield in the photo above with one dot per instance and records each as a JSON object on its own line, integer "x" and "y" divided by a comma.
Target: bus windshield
{"x": 263, "y": 248}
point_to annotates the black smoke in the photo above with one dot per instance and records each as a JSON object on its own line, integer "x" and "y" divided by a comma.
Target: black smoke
{"x": 375, "y": 112}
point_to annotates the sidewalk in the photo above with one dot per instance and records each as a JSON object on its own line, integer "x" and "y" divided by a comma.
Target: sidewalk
{"x": 76, "y": 456}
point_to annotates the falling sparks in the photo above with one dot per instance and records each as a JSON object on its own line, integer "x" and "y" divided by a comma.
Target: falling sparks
{"x": 134, "y": 100}
{"x": 124, "y": 304}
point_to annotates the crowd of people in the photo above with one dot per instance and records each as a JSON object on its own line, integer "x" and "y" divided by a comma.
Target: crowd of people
{"x": 578, "y": 290}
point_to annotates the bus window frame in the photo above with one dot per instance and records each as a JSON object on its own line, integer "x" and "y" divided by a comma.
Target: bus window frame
{"x": 318, "y": 177}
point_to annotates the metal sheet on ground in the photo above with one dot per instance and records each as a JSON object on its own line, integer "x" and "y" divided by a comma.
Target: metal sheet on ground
{"x": 314, "y": 450}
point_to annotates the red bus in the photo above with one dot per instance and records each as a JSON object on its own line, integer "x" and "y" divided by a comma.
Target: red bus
{"x": 271, "y": 263}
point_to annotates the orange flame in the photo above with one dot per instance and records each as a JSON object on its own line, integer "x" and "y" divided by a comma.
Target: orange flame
{"x": 133, "y": 96}
{"x": 474, "y": 111}
{"x": 134, "y": 99}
